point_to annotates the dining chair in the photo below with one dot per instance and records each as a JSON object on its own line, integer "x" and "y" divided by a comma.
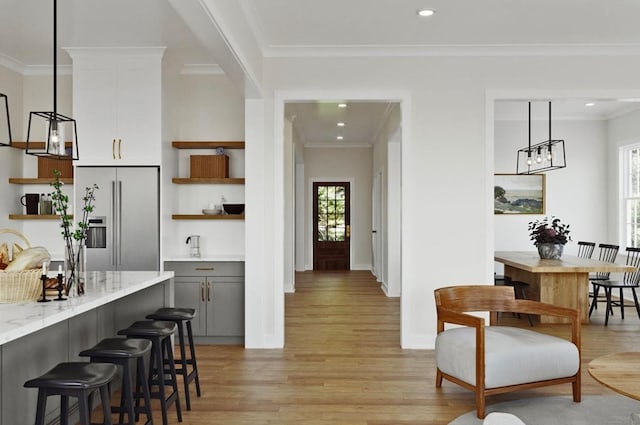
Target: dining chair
{"x": 519, "y": 290}
{"x": 630, "y": 280}
{"x": 608, "y": 253}
{"x": 585, "y": 249}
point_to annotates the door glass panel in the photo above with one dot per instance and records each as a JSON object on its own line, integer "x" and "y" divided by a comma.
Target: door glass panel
{"x": 331, "y": 213}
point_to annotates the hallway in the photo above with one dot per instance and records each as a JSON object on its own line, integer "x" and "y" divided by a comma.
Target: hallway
{"x": 342, "y": 364}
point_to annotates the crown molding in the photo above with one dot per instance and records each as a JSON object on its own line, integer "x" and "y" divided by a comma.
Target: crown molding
{"x": 12, "y": 64}
{"x": 47, "y": 70}
{"x": 453, "y": 50}
{"x": 202, "y": 69}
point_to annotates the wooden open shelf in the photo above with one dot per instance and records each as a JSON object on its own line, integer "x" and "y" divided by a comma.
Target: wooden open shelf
{"x": 36, "y": 180}
{"x": 206, "y": 180}
{"x": 207, "y": 145}
{"x": 207, "y": 217}
{"x": 34, "y": 217}
{"x": 35, "y": 145}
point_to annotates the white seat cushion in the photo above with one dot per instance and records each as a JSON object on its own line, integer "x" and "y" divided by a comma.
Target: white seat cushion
{"x": 512, "y": 355}
{"x": 499, "y": 418}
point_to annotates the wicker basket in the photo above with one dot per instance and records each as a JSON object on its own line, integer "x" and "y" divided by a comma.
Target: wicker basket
{"x": 20, "y": 286}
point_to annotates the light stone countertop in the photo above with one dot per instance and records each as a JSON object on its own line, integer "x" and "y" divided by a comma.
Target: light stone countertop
{"x": 20, "y": 319}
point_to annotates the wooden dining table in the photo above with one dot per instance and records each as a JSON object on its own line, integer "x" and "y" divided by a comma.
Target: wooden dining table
{"x": 618, "y": 371}
{"x": 563, "y": 282}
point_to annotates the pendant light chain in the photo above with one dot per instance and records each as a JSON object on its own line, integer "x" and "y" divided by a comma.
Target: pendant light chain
{"x": 55, "y": 58}
{"x": 59, "y": 128}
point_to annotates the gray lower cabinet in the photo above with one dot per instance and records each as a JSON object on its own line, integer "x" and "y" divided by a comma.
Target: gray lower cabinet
{"x": 216, "y": 291}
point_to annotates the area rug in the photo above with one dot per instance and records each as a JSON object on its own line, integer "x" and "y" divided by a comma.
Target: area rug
{"x": 593, "y": 410}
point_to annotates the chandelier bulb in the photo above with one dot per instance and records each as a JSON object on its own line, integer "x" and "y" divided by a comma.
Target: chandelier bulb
{"x": 539, "y": 156}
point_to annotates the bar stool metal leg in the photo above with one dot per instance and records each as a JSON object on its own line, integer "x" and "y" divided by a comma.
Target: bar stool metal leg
{"x": 192, "y": 360}
{"x": 159, "y": 333}
{"x": 182, "y": 317}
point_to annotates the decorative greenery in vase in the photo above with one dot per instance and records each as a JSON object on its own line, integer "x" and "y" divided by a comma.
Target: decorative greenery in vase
{"x": 61, "y": 205}
{"x": 549, "y": 230}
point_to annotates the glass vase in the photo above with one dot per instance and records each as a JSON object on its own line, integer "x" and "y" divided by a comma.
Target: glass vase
{"x": 75, "y": 270}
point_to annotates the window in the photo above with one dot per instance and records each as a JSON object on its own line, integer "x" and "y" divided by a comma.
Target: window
{"x": 631, "y": 194}
{"x": 331, "y": 213}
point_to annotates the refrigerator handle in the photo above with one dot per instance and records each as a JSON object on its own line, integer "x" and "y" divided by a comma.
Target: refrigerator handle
{"x": 112, "y": 254}
{"x": 119, "y": 236}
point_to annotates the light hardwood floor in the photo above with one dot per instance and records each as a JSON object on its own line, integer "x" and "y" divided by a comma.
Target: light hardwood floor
{"x": 342, "y": 364}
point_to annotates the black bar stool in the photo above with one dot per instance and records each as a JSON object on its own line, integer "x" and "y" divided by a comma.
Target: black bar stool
{"x": 75, "y": 379}
{"x": 181, "y": 317}
{"x": 159, "y": 333}
{"x": 121, "y": 351}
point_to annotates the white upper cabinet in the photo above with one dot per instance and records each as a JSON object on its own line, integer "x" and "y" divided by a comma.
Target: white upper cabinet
{"x": 117, "y": 104}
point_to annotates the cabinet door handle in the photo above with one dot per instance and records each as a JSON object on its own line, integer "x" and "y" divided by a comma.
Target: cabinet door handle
{"x": 113, "y": 148}
{"x": 202, "y": 291}
{"x": 119, "y": 148}
{"x": 205, "y": 268}
{"x": 208, "y": 291}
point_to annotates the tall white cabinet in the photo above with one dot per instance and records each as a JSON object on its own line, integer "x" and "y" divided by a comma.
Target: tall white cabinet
{"x": 117, "y": 104}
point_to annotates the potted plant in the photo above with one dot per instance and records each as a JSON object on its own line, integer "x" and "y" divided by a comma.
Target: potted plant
{"x": 549, "y": 236}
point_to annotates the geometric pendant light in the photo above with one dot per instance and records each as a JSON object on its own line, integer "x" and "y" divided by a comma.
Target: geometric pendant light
{"x": 59, "y": 131}
{"x": 544, "y": 156}
{"x": 5, "y": 123}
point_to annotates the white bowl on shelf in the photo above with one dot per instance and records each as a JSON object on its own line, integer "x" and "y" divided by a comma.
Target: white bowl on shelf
{"x": 210, "y": 212}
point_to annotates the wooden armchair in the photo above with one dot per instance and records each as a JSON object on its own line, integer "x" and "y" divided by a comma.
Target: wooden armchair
{"x": 498, "y": 359}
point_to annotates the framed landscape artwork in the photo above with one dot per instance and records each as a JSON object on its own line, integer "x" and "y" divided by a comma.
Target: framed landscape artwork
{"x": 519, "y": 194}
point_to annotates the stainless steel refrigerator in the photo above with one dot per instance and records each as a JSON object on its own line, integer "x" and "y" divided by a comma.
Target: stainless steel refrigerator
{"x": 124, "y": 228}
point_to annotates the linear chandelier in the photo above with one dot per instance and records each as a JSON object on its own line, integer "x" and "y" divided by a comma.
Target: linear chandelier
{"x": 544, "y": 156}
{"x": 61, "y": 138}
{"x": 5, "y": 126}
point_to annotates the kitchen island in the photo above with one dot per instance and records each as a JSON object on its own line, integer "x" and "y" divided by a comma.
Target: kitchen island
{"x": 35, "y": 336}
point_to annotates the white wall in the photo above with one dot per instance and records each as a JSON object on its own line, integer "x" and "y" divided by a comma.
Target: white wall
{"x": 26, "y": 94}
{"x": 289, "y": 207}
{"x": 447, "y": 153}
{"x": 572, "y": 193}
{"x": 207, "y": 107}
{"x": 343, "y": 164}
{"x": 11, "y": 84}
{"x": 387, "y": 164}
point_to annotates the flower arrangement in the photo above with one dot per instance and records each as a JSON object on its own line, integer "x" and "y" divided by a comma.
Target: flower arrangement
{"x": 549, "y": 230}
{"x": 61, "y": 205}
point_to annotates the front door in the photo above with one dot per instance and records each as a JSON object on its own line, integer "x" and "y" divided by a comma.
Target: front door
{"x": 331, "y": 226}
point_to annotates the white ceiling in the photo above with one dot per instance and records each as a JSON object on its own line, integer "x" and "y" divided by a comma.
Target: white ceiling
{"x": 305, "y": 28}
{"x": 287, "y": 23}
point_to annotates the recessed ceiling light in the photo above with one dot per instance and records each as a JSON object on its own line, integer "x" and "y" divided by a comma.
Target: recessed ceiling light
{"x": 425, "y": 12}
{"x": 342, "y": 105}
{"x": 340, "y": 137}
{"x": 340, "y": 124}
{"x": 589, "y": 104}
